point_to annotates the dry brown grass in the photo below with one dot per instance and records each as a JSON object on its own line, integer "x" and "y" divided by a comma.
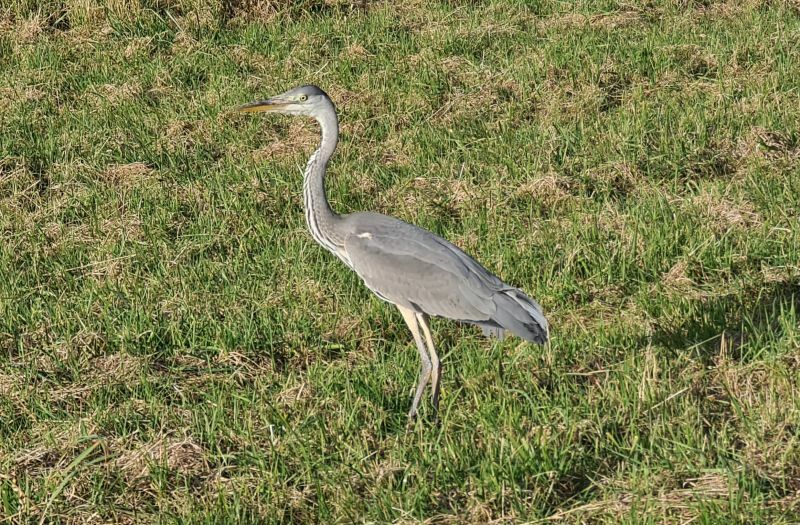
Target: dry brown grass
{"x": 113, "y": 95}
{"x": 620, "y": 176}
{"x": 682, "y": 504}
{"x": 476, "y": 91}
{"x": 356, "y": 51}
{"x": 16, "y": 94}
{"x": 295, "y": 394}
{"x": 52, "y": 447}
{"x": 769, "y": 445}
{"x": 676, "y": 280}
{"x": 118, "y": 226}
{"x": 180, "y": 454}
{"x": 127, "y": 175}
{"x": 549, "y": 190}
{"x": 116, "y": 368}
{"x": 27, "y": 31}
{"x": 396, "y": 153}
{"x": 560, "y": 98}
{"x": 721, "y": 214}
{"x": 9, "y": 383}
{"x": 300, "y": 139}
{"x": 761, "y": 143}
{"x": 606, "y": 21}
{"x": 184, "y": 135}
{"x": 410, "y": 198}
{"x": 781, "y": 274}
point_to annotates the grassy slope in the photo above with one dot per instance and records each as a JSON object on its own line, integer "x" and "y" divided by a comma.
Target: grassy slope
{"x": 173, "y": 344}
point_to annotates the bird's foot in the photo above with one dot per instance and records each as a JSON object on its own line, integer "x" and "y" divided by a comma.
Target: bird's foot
{"x": 415, "y": 416}
{"x": 411, "y": 420}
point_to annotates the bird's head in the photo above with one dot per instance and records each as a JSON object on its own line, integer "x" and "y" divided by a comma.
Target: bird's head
{"x": 307, "y": 100}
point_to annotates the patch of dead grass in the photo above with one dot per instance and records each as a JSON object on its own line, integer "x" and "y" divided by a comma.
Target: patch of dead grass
{"x": 549, "y": 190}
{"x": 10, "y": 95}
{"x": 118, "y": 226}
{"x": 469, "y": 241}
{"x": 15, "y": 177}
{"x": 28, "y": 30}
{"x": 558, "y": 98}
{"x": 347, "y": 99}
{"x": 694, "y": 60}
{"x": 435, "y": 195}
{"x": 721, "y": 214}
{"x": 780, "y": 274}
{"x": 293, "y": 395}
{"x": 52, "y": 446}
{"x": 618, "y": 225}
{"x": 598, "y": 307}
{"x": 242, "y": 12}
{"x": 87, "y": 15}
{"x": 179, "y": 454}
{"x": 248, "y": 60}
{"x": 685, "y": 502}
{"x": 127, "y": 175}
{"x": 347, "y": 328}
{"x": 475, "y": 90}
{"x": 113, "y": 94}
{"x": 244, "y": 365}
{"x": 385, "y": 468}
{"x": 181, "y": 135}
{"x": 606, "y": 21}
{"x": 676, "y": 279}
{"x": 11, "y": 385}
{"x": 137, "y": 46}
{"x": 770, "y": 145}
{"x": 184, "y": 43}
{"x": 302, "y": 137}
{"x": 619, "y": 176}
{"x": 96, "y": 372}
{"x": 116, "y": 368}
{"x": 395, "y": 153}
{"x": 769, "y": 444}
{"x": 356, "y": 51}
{"x": 722, "y": 10}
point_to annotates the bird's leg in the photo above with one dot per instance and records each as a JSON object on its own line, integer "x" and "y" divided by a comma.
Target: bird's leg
{"x": 425, "y": 369}
{"x": 436, "y": 366}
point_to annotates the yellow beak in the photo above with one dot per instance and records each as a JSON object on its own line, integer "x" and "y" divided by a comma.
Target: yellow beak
{"x": 261, "y": 106}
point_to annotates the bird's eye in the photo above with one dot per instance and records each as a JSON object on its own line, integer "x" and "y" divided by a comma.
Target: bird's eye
{"x": 303, "y": 98}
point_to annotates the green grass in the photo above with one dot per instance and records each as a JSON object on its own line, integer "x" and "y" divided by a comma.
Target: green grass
{"x": 175, "y": 348}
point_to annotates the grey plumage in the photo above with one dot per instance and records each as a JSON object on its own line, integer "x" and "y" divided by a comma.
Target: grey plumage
{"x": 419, "y": 272}
{"x": 411, "y": 267}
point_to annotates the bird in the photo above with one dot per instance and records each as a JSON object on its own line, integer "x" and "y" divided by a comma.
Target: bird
{"x": 420, "y": 273}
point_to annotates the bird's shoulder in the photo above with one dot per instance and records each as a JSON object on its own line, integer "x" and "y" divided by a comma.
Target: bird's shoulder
{"x": 380, "y": 225}
{"x": 374, "y": 231}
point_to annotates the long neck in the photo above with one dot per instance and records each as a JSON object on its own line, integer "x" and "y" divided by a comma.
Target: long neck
{"x": 322, "y": 221}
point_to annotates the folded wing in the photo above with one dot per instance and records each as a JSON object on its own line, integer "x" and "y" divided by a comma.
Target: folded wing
{"x": 411, "y": 267}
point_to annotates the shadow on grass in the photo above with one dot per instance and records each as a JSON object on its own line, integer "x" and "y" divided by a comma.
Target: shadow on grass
{"x": 749, "y": 322}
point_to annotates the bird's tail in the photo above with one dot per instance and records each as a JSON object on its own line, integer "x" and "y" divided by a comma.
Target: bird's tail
{"x": 520, "y": 314}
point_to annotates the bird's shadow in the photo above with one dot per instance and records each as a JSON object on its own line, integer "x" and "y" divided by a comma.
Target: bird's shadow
{"x": 739, "y": 325}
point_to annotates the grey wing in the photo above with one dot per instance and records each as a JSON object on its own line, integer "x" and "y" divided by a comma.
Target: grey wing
{"x": 411, "y": 267}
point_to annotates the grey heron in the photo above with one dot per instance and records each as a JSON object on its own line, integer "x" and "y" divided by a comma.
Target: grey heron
{"x": 420, "y": 273}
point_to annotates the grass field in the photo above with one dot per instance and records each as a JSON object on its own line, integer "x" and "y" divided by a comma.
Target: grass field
{"x": 175, "y": 348}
